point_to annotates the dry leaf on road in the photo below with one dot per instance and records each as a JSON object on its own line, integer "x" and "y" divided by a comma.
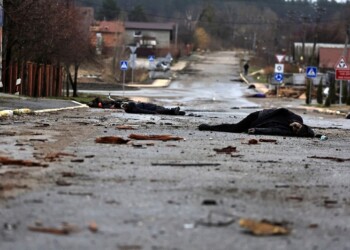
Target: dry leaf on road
{"x": 155, "y": 137}
{"x": 263, "y": 228}
{"x": 111, "y": 140}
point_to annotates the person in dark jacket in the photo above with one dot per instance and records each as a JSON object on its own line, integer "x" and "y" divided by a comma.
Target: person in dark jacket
{"x": 149, "y": 108}
{"x": 279, "y": 121}
{"x": 109, "y": 104}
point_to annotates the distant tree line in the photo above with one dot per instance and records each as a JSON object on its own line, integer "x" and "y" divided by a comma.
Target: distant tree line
{"x": 251, "y": 24}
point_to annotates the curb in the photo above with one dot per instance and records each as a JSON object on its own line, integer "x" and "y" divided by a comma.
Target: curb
{"x": 26, "y": 111}
{"x": 312, "y": 109}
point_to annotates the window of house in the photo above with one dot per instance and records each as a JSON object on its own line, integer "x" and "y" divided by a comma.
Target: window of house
{"x": 138, "y": 33}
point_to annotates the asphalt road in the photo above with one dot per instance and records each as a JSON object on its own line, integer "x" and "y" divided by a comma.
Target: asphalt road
{"x": 173, "y": 194}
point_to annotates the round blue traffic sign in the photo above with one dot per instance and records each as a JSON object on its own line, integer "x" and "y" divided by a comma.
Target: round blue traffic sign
{"x": 279, "y": 77}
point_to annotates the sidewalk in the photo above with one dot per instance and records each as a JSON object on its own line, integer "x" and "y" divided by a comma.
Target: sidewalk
{"x": 17, "y": 105}
{"x": 341, "y": 110}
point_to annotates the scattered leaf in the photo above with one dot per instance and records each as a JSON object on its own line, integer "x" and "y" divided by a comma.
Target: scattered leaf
{"x": 111, "y": 140}
{"x": 227, "y": 150}
{"x": 296, "y": 198}
{"x": 26, "y": 163}
{"x": 10, "y": 186}
{"x": 263, "y": 228}
{"x": 330, "y": 158}
{"x": 66, "y": 229}
{"x": 268, "y": 140}
{"x": 68, "y": 174}
{"x": 155, "y": 137}
{"x": 53, "y": 156}
{"x": 77, "y": 160}
{"x": 93, "y": 227}
{"x": 252, "y": 142}
{"x": 125, "y": 127}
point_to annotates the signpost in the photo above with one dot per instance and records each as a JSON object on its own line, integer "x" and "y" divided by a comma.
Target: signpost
{"x": 123, "y": 67}
{"x": 280, "y": 58}
{"x": 279, "y": 70}
{"x": 279, "y": 77}
{"x": 311, "y": 72}
{"x": 342, "y": 72}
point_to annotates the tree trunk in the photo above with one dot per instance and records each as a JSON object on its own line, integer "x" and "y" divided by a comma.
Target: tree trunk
{"x": 75, "y": 82}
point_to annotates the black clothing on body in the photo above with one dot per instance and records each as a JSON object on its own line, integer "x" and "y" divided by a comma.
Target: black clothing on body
{"x": 265, "y": 122}
{"x": 150, "y": 108}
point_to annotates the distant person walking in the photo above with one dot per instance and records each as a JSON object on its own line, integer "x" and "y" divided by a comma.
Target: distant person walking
{"x": 246, "y": 68}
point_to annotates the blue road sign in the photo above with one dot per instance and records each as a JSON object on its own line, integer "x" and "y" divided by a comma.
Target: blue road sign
{"x": 151, "y": 58}
{"x": 123, "y": 65}
{"x": 311, "y": 72}
{"x": 279, "y": 77}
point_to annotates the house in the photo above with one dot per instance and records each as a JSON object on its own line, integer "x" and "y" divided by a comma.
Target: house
{"x": 106, "y": 36}
{"x": 329, "y": 57}
{"x": 158, "y": 38}
{"x": 308, "y": 50}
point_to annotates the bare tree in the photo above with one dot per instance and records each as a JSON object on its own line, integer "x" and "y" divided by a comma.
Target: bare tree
{"x": 44, "y": 32}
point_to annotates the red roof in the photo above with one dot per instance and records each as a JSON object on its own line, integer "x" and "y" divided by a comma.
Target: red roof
{"x": 108, "y": 27}
{"x": 329, "y": 57}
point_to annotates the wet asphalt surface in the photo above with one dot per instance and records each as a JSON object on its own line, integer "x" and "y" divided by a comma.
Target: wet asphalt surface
{"x": 11, "y": 103}
{"x": 173, "y": 194}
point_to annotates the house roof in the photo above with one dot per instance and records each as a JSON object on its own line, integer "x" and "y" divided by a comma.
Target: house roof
{"x": 149, "y": 26}
{"x": 108, "y": 27}
{"x": 329, "y": 57}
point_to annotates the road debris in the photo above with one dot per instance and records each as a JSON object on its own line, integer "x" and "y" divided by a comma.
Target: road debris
{"x": 189, "y": 226}
{"x": 10, "y": 186}
{"x": 227, "y": 150}
{"x": 268, "y": 140}
{"x": 187, "y": 164}
{"x": 53, "y": 156}
{"x": 64, "y": 183}
{"x": 111, "y": 140}
{"x": 215, "y": 219}
{"x": 65, "y": 229}
{"x": 295, "y": 198}
{"x": 263, "y": 228}
{"x": 26, "y": 163}
{"x": 93, "y": 227}
{"x": 125, "y": 127}
{"x": 209, "y": 203}
{"x": 329, "y": 158}
{"x": 155, "y": 137}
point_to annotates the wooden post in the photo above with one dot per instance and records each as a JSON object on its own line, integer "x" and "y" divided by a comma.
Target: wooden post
{"x": 30, "y": 79}
{"x": 9, "y": 81}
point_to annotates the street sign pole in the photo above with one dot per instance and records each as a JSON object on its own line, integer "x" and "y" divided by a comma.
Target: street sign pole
{"x": 123, "y": 82}
{"x": 340, "y": 91}
{"x": 310, "y": 94}
{"x": 123, "y": 67}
